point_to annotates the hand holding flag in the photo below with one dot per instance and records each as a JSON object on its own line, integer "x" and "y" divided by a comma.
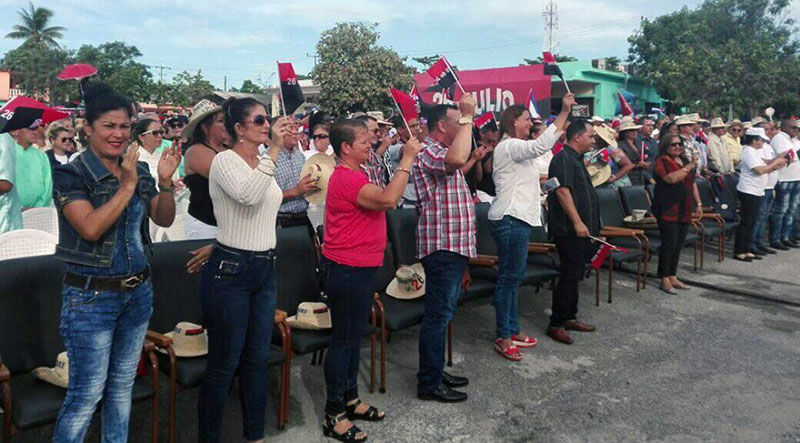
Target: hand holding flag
{"x": 291, "y": 93}
{"x": 551, "y": 68}
{"x": 623, "y": 104}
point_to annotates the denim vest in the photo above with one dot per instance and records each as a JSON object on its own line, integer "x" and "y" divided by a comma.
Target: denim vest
{"x": 86, "y": 178}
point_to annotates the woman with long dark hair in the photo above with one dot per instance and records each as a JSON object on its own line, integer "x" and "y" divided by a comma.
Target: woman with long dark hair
{"x": 675, "y": 199}
{"x": 515, "y": 210}
{"x": 104, "y": 198}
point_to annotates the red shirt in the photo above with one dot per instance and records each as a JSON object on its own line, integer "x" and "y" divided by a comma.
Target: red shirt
{"x": 354, "y": 236}
{"x": 672, "y": 202}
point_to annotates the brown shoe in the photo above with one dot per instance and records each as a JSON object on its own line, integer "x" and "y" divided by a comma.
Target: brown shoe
{"x": 575, "y": 325}
{"x": 559, "y": 334}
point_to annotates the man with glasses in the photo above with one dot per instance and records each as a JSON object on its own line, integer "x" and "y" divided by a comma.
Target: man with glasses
{"x": 377, "y": 167}
{"x": 294, "y": 208}
{"x": 396, "y": 153}
{"x": 787, "y": 191}
{"x": 733, "y": 141}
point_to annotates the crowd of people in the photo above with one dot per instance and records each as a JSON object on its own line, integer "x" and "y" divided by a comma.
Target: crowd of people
{"x": 113, "y": 178}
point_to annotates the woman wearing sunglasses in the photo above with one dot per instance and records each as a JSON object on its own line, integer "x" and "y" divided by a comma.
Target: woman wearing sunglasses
{"x": 63, "y": 144}
{"x": 237, "y": 287}
{"x": 320, "y": 141}
{"x": 675, "y": 199}
{"x": 147, "y": 135}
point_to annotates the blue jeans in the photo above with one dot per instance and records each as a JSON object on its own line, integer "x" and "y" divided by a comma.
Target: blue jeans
{"x": 349, "y": 292}
{"x": 443, "y": 273}
{"x": 238, "y": 298}
{"x": 511, "y": 236}
{"x": 761, "y": 219}
{"x": 787, "y": 200}
{"x": 103, "y": 332}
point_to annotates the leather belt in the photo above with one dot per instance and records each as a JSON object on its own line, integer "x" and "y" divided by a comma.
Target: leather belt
{"x": 91, "y": 283}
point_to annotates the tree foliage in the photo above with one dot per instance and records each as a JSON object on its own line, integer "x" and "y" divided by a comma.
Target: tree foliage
{"x": 559, "y": 58}
{"x": 116, "y": 65}
{"x": 34, "y": 69}
{"x": 742, "y": 53}
{"x": 34, "y": 28}
{"x": 188, "y": 89}
{"x": 249, "y": 87}
{"x": 354, "y": 72}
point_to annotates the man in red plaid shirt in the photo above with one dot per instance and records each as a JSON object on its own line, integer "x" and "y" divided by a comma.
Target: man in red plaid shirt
{"x": 445, "y": 238}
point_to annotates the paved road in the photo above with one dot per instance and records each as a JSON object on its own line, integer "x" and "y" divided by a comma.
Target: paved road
{"x": 704, "y": 365}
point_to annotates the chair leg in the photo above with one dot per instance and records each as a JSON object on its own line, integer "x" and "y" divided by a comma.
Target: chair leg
{"x": 173, "y": 391}
{"x": 597, "y": 287}
{"x": 383, "y": 356}
{"x": 450, "y": 344}
{"x": 695, "y": 255}
{"x": 702, "y": 249}
{"x": 721, "y": 248}
{"x": 373, "y": 341}
{"x": 154, "y": 371}
{"x": 638, "y": 273}
{"x": 610, "y": 276}
{"x": 321, "y": 358}
{"x": 313, "y": 358}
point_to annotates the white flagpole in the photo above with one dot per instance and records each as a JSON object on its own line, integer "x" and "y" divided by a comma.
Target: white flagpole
{"x": 450, "y": 68}
{"x": 401, "y": 113}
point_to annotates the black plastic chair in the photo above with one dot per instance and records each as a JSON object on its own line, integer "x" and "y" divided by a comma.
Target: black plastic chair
{"x": 714, "y": 225}
{"x": 30, "y": 296}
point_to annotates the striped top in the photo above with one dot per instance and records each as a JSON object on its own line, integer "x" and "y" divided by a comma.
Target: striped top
{"x": 246, "y": 201}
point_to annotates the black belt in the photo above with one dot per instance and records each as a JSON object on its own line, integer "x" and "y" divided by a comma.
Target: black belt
{"x": 91, "y": 283}
{"x": 292, "y": 215}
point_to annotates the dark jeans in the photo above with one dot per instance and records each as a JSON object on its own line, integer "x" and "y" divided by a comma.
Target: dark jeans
{"x": 673, "y": 237}
{"x": 238, "y": 298}
{"x": 511, "y": 236}
{"x": 744, "y": 233}
{"x": 443, "y": 272}
{"x": 573, "y": 252}
{"x": 760, "y": 224}
{"x": 349, "y": 292}
{"x": 784, "y": 211}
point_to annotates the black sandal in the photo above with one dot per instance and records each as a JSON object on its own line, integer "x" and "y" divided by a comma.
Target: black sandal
{"x": 372, "y": 413}
{"x": 348, "y": 436}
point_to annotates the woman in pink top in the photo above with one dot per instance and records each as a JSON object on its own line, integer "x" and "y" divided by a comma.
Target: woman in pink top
{"x": 355, "y": 237}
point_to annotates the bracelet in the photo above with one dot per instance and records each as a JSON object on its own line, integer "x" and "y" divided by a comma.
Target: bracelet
{"x": 406, "y": 170}
{"x": 170, "y": 189}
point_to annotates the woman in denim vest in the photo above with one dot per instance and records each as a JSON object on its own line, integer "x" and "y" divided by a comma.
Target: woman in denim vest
{"x": 104, "y": 198}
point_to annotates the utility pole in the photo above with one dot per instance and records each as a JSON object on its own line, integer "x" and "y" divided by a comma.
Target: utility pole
{"x": 161, "y": 72}
{"x": 225, "y": 83}
{"x": 550, "y": 16}
{"x": 314, "y": 56}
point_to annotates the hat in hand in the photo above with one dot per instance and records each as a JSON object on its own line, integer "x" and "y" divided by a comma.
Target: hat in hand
{"x": 408, "y": 282}
{"x": 58, "y": 376}
{"x": 188, "y": 340}
{"x": 311, "y": 316}
{"x": 320, "y": 168}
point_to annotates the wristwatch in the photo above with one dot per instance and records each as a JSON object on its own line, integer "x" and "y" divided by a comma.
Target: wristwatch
{"x": 465, "y": 121}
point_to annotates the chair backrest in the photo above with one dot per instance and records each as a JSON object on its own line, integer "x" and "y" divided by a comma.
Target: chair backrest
{"x": 402, "y": 226}
{"x": 176, "y": 293}
{"x": 634, "y": 197}
{"x": 484, "y": 241}
{"x": 295, "y": 268}
{"x": 41, "y": 219}
{"x": 731, "y": 180}
{"x": 706, "y": 193}
{"x": 26, "y": 243}
{"x": 651, "y": 190}
{"x": 725, "y": 190}
{"x": 610, "y": 207}
{"x": 30, "y": 306}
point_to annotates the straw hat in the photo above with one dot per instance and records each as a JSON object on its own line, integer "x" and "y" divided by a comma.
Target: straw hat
{"x": 201, "y": 110}
{"x": 408, "y": 282}
{"x": 717, "y": 123}
{"x": 598, "y": 119}
{"x": 188, "y": 340}
{"x": 757, "y": 121}
{"x": 599, "y": 173}
{"x": 734, "y": 122}
{"x": 627, "y": 125}
{"x": 696, "y": 118}
{"x": 684, "y": 120}
{"x": 58, "y": 376}
{"x": 606, "y": 134}
{"x": 311, "y": 316}
{"x": 320, "y": 167}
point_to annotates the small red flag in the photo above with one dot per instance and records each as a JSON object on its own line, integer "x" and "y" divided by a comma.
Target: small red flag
{"x": 550, "y": 66}
{"x": 291, "y": 93}
{"x": 485, "y": 119}
{"x": 407, "y": 104}
{"x": 600, "y": 256}
{"x": 623, "y": 104}
{"x": 558, "y": 147}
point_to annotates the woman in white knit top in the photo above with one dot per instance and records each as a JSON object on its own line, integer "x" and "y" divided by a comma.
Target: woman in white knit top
{"x": 238, "y": 282}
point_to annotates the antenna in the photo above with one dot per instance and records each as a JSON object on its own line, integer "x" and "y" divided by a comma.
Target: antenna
{"x": 550, "y": 16}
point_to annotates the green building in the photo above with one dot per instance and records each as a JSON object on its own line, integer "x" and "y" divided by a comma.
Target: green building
{"x": 597, "y": 89}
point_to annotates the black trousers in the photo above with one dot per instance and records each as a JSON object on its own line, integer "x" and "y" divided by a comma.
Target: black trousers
{"x": 744, "y": 233}
{"x": 673, "y": 237}
{"x": 573, "y": 252}
{"x": 284, "y": 221}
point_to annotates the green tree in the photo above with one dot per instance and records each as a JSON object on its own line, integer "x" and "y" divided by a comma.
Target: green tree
{"x": 34, "y": 28}
{"x": 559, "y": 58}
{"x": 354, "y": 72}
{"x": 612, "y": 63}
{"x": 188, "y": 89}
{"x": 116, "y": 65}
{"x": 249, "y": 87}
{"x": 35, "y": 68}
{"x": 426, "y": 61}
{"x": 739, "y": 53}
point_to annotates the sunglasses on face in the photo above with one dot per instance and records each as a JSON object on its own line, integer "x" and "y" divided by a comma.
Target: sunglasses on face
{"x": 676, "y": 145}
{"x": 66, "y": 140}
{"x": 258, "y": 120}
{"x": 736, "y": 130}
{"x": 319, "y": 136}
{"x": 154, "y": 132}
{"x": 176, "y": 125}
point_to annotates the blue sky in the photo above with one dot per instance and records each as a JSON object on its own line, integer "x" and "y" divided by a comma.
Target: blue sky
{"x": 243, "y": 39}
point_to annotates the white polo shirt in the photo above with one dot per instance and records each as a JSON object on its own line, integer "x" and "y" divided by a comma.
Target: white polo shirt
{"x": 750, "y": 182}
{"x": 782, "y": 143}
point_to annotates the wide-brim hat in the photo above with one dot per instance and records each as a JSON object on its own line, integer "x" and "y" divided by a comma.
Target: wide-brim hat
{"x": 188, "y": 340}
{"x": 696, "y": 118}
{"x": 408, "y": 282}
{"x": 58, "y": 375}
{"x": 599, "y": 173}
{"x": 606, "y": 134}
{"x": 757, "y": 132}
{"x": 320, "y": 168}
{"x": 684, "y": 120}
{"x": 597, "y": 119}
{"x": 200, "y": 111}
{"x": 627, "y": 125}
{"x": 647, "y": 220}
{"x": 734, "y": 122}
{"x": 311, "y": 315}
{"x": 717, "y": 123}
{"x": 757, "y": 121}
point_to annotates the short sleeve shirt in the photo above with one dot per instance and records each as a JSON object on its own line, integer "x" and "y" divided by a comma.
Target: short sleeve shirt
{"x": 34, "y": 178}
{"x": 444, "y": 203}
{"x": 287, "y": 175}
{"x": 567, "y": 166}
{"x": 750, "y": 182}
{"x": 672, "y": 201}
{"x": 10, "y": 207}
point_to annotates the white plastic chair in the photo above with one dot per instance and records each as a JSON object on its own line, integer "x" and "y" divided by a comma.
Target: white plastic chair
{"x": 42, "y": 219}
{"x": 26, "y": 243}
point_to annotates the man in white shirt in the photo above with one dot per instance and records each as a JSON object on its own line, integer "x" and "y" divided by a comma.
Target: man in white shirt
{"x": 787, "y": 192}
{"x": 758, "y": 246}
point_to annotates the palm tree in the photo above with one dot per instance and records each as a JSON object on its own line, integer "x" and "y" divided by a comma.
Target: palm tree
{"x": 34, "y": 27}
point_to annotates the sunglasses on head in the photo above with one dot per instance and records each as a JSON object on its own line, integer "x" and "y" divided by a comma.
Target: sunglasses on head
{"x": 259, "y": 120}
{"x": 319, "y": 136}
{"x": 154, "y": 132}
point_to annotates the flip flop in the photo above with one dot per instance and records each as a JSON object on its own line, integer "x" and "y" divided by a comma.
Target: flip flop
{"x": 528, "y": 342}
{"x": 512, "y": 352}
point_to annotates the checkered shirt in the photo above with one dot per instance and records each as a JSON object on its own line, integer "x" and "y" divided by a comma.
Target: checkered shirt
{"x": 287, "y": 174}
{"x": 375, "y": 169}
{"x": 445, "y": 207}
